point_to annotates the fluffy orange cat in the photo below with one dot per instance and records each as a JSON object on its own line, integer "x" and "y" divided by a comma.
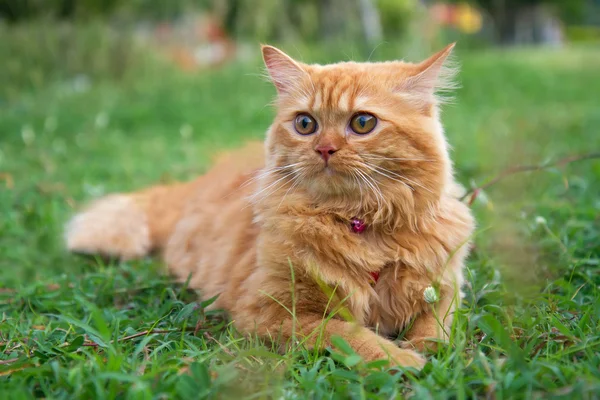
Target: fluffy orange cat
{"x": 353, "y": 205}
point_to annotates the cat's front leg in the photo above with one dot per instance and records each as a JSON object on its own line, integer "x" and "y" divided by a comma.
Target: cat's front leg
{"x": 433, "y": 326}
{"x": 314, "y": 332}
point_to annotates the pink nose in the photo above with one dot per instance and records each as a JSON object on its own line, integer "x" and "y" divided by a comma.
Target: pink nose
{"x": 325, "y": 152}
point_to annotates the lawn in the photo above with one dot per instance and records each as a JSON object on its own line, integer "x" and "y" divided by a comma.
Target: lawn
{"x": 73, "y": 327}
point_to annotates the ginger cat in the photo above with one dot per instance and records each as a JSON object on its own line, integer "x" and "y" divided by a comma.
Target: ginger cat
{"x": 355, "y": 195}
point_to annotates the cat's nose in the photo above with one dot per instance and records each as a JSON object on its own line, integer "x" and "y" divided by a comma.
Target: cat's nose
{"x": 325, "y": 152}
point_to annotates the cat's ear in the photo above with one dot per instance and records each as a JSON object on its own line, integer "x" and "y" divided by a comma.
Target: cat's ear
{"x": 434, "y": 75}
{"x": 284, "y": 71}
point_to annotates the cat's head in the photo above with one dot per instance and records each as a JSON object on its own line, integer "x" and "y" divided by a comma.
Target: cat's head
{"x": 360, "y": 132}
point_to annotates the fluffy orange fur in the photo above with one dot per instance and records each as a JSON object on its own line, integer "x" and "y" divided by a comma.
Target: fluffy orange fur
{"x": 272, "y": 234}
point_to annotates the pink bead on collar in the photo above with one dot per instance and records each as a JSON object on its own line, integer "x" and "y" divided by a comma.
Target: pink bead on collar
{"x": 357, "y": 225}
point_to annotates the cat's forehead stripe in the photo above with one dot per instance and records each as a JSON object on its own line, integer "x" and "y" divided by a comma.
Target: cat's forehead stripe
{"x": 333, "y": 95}
{"x": 344, "y": 101}
{"x": 360, "y": 103}
{"x": 315, "y": 103}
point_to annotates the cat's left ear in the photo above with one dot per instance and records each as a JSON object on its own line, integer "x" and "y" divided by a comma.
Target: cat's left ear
{"x": 434, "y": 75}
{"x": 285, "y": 72}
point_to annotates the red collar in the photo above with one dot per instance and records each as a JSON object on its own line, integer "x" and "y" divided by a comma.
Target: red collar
{"x": 374, "y": 277}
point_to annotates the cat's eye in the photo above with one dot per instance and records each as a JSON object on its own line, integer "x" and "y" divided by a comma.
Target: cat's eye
{"x": 363, "y": 123}
{"x": 305, "y": 124}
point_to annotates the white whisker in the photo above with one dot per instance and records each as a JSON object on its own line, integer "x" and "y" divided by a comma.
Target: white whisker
{"x": 376, "y": 157}
{"x": 356, "y": 179}
{"x": 376, "y": 191}
{"x": 262, "y": 173}
{"x": 401, "y": 177}
{"x": 418, "y": 184}
{"x": 252, "y": 199}
{"x": 376, "y": 170}
{"x": 295, "y": 181}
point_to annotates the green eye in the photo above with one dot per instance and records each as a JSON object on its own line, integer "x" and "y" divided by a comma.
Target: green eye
{"x": 363, "y": 123}
{"x": 305, "y": 124}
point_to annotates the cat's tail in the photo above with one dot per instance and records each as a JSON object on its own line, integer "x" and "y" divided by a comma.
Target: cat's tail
{"x": 128, "y": 226}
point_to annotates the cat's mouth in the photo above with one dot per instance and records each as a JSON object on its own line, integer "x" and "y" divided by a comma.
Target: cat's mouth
{"x": 333, "y": 170}
{"x": 328, "y": 170}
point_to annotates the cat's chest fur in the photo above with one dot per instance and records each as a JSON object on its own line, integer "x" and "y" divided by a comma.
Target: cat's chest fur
{"x": 349, "y": 260}
{"x": 326, "y": 248}
{"x": 390, "y": 298}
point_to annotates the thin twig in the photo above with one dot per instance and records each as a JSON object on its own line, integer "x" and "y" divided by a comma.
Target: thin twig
{"x": 525, "y": 168}
{"x": 9, "y": 361}
{"x": 211, "y": 337}
{"x": 206, "y": 334}
{"x": 8, "y": 351}
{"x": 152, "y": 332}
{"x": 144, "y": 333}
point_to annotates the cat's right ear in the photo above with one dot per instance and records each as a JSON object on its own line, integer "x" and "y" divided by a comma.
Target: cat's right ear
{"x": 283, "y": 69}
{"x": 432, "y": 76}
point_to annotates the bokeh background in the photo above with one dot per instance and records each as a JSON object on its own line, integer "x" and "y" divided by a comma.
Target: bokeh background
{"x": 98, "y": 96}
{"x": 107, "y": 95}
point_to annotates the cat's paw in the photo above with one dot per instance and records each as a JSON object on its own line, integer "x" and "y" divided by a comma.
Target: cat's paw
{"x": 396, "y": 356}
{"x": 407, "y": 358}
{"x": 423, "y": 344}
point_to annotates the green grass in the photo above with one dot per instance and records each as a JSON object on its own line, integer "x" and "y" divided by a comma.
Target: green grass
{"x": 529, "y": 326}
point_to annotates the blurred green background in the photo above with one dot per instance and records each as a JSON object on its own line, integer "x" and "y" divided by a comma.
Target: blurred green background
{"x": 103, "y": 96}
{"x": 45, "y": 41}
